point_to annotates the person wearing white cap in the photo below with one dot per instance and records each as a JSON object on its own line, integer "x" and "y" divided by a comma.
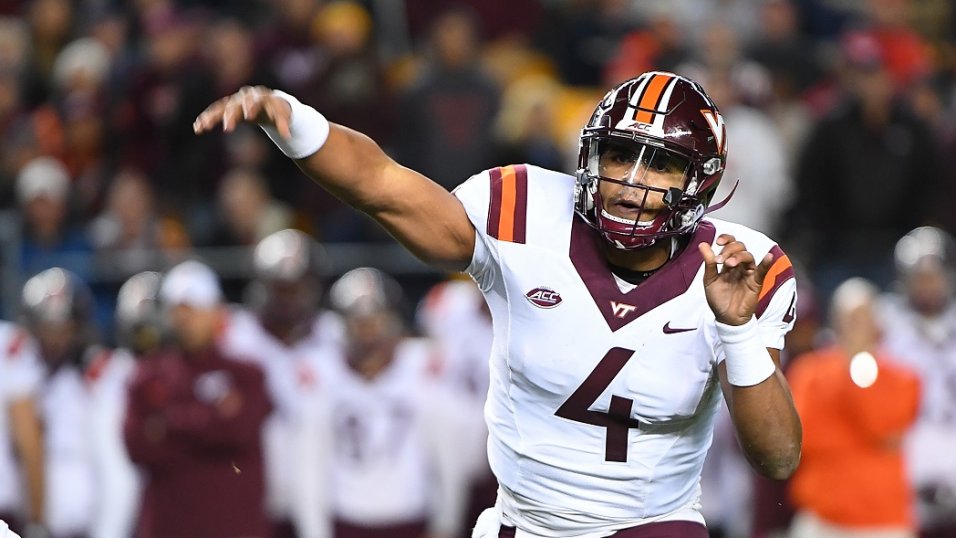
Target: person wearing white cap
{"x": 194, "y": 421}
{"x": 43, "y": 188}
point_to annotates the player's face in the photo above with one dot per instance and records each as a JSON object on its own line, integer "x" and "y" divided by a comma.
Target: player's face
{"x": 633, "y": 169}
{"x": 194, "y": 328}
{"x": 929, "y": 287}
{"x": 55, "y": 340}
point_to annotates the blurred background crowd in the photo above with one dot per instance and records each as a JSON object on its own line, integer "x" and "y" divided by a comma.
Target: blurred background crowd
{"x": 841, "y": 117}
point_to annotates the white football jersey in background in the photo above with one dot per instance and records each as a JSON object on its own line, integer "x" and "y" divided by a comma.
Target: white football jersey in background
{"x": 21, "y": 374}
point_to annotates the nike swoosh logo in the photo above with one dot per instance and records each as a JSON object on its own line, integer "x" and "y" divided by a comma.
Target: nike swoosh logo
{"x": 669, "y": 330}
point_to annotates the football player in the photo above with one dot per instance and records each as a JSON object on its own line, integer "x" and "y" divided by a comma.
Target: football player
{"x": 621, "y": 314}
{"x": 109, "y": 372}
{"x": 282, "y": 325}
{"x": 919, "y": 327}
{"x": 57, "y": 309}
{"x": 395, "y": 463}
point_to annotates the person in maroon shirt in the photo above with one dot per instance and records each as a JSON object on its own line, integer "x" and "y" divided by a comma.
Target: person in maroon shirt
{"x": 194, "y": 423}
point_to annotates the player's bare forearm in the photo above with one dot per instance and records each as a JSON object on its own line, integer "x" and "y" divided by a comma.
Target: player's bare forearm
{"x": 767, "y": 424}
{"x": 418, "y": 212}
{"x": 28, "y": 439}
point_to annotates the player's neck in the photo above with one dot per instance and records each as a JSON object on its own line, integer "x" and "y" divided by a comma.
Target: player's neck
{"x": 641, "y": 259}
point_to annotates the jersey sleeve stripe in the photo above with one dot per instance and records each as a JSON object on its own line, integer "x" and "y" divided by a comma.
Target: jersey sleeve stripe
{"x": 521, "y": 203}
{"x": 780, "y": 272}
{"x": 507, "y": 213}
{"x": 506, "y": 224}
{"x": 651, "y": 98}
{"x": 494, "y": 206}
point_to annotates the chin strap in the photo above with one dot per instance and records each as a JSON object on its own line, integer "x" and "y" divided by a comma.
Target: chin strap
{"x": 714, "y": 207}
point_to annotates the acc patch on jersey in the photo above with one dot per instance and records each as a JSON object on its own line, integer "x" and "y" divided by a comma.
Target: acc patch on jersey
{"x": 544, "y": 297}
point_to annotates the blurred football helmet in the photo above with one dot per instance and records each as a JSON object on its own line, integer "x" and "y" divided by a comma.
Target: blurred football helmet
{"x": 288, "y": 265}
{"x": 658, "y": 121}
{"x": 925, "y": 268}
{"x": 364, "y": 291}
{"x": 288, "y": 255}
{"x": 57, "y": 308}
{"x": 923, "y": 244}
{"x": 139, "y": 321}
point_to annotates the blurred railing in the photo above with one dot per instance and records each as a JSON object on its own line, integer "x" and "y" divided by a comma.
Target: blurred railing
{"x": 230, "y": 263}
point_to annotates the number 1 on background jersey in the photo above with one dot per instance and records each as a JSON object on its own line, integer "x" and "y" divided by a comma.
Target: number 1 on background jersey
{"x": 617, "y": 419}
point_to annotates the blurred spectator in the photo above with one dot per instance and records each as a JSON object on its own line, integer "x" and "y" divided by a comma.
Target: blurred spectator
{"x": 79, "y": 77}
{"x": 660, "y": 45}
{"x": 446, "y": 117}
{"x": 907, "y": 56}
{"x": 58, "y": 311}
{"x": 165, "y": 93}
{"x": 396, "y": 472}
{"x": 790, "y": 57}
{"x": 230, "y": 54}
{"x": 525, "y": 128}
{"x": 194, "y": 422}
{"x": 248, "y": 211}
{"x": 349, "y": 82}
{"x": 857, "y": 171}
{"x": 126, "y": 231}
{"x": 515, "y": 19}
{"x": 761, "y": 174}
{"x": 919, "y": 320}
{"x": 281, "y": 328}
{"x": 21, "y": 432}
{"x": 581, "y": 35}
{"x": 855, "y": 404}
{"x": 50, "y": 23}
{"x": 49, "y": 237}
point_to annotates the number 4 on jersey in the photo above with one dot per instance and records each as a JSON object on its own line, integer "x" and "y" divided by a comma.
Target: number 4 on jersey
{"x": 617, "y": 419}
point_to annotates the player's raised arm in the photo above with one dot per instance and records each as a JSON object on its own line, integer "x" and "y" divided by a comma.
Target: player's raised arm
{"x": 421, "y": 214}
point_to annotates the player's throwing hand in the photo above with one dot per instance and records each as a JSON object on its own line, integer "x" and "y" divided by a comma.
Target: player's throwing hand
{"x": 253, "y": 104}
{"x": 733, "y": 292}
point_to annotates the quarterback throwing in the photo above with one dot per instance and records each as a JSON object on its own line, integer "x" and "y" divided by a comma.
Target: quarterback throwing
{"x": 622, "y": 315}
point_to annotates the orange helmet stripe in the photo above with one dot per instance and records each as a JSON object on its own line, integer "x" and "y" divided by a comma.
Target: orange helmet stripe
{"x": 651, "y": 98}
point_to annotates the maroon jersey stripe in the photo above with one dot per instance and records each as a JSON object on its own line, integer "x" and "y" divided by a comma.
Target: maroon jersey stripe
{"x": 494, "y": 207}
{"x": 521, "y": 204}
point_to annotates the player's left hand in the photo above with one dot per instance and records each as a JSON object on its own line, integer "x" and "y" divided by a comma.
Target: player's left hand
{"x": 733, "y": 292}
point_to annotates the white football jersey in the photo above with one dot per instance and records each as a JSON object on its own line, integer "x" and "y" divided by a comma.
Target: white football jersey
{"x": 21, "y": 374}
{"x": 288, "y": 377}
{"x": 603, "y": 394}
{"x": 928, "y": 346}
{"x": 394, "y": 456}
{"x": 119, "y": 487}
{"x": 71, "y": 483}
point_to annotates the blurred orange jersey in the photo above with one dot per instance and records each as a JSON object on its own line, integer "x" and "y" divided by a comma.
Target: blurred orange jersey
{"x": 852, "y": 471}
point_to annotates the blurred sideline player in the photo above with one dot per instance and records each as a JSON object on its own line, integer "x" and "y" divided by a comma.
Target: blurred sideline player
{"x": 57, "y": 309}
{"x": 621, "y": 315}
{"x": 194, "y": 421}
{"x": 856, "y": 405}
{"x": 455, "y": 315}
{"x": 396, "y": 464}
{"x": 21, "y": 433}
{"x": 919, "y": 323}
{"x": 139, "y": 333}
{"x": 282, "y": 326}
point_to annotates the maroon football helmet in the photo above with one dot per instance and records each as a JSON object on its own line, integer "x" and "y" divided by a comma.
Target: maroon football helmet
{"x": 657, "y": 121}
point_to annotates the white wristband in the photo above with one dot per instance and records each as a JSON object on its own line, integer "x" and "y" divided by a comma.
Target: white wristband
{"x": 309, "y": 129}
{"x": 748, "y": 362}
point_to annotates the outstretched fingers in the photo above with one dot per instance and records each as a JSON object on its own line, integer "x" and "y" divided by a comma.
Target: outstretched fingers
{"x": 763, "y": 268}
{"x": 710, "y": 262}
